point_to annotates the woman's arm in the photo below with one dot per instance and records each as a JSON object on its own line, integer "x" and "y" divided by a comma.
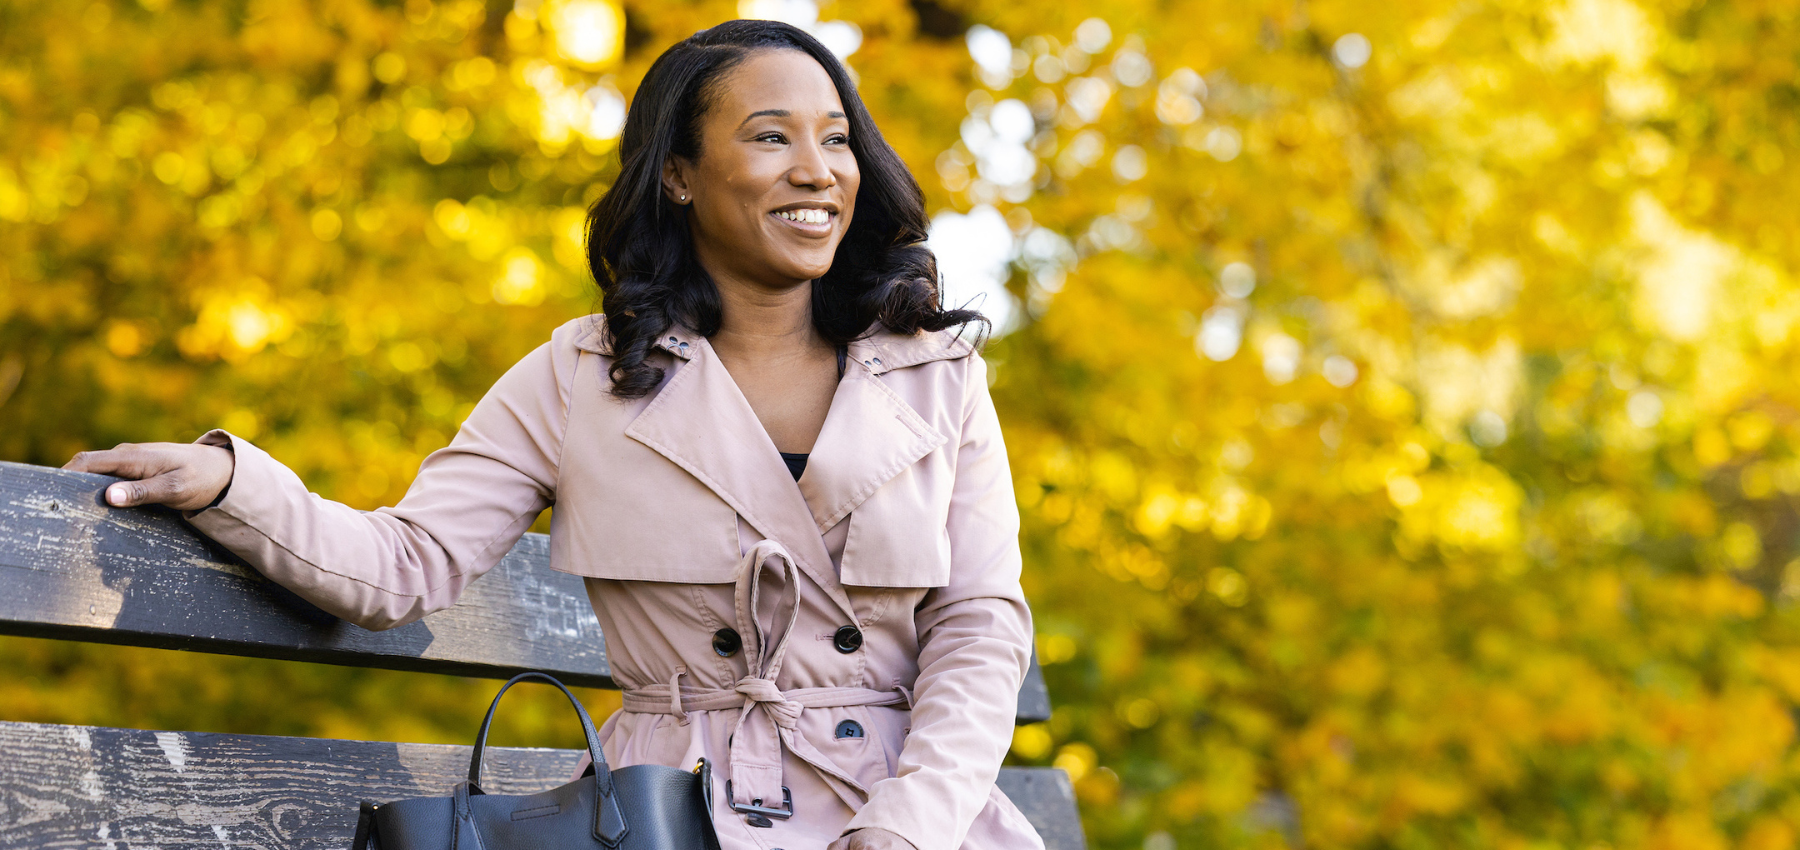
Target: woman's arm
{"x": 470, "y": 503}
{"x": 974, "y": 649}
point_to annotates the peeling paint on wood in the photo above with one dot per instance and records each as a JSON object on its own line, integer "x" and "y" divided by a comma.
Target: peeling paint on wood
{"x": 73, "y": 567}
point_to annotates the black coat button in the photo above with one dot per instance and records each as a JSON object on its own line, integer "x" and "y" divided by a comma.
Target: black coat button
{"x": 726, "y": 642}
{"x": 847, "y": 640}
{"x": 849, "y": 729}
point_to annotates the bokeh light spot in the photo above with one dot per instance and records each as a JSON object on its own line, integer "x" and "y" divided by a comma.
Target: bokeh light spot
{"x": 1352, "y": 50}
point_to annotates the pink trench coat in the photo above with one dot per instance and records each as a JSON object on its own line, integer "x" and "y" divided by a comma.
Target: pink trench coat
{"x": 684, "y": 521}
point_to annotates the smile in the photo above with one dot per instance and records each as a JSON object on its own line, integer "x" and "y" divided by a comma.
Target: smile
{"x": 809, "y": 221}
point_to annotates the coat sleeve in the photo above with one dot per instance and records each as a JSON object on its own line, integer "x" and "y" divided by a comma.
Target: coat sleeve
{"x": 974, "y": 648}
{"x": 469, "y": 504}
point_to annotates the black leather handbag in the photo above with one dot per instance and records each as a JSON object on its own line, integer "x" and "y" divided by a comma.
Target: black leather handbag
{"x": 642, "y": 807}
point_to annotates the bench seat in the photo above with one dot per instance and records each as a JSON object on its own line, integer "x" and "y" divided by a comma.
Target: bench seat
{"x": 113, "y": 789}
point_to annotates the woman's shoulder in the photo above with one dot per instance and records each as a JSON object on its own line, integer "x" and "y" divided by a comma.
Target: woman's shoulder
{"x": 589, "y": 333}
{"x": 939, "y": 373}
{"x": 583, "y": 333}
{"x": 884, "y": 351}
{"x": 549, "y": 369}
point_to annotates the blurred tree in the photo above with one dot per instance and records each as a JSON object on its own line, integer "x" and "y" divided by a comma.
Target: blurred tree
{"x": 1416, "y": 376}
{"x": 1394, "y": 392}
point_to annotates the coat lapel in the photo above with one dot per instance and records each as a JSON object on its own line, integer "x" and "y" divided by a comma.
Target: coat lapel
{"x": 870, "y": 436}
{"x": 701, "y": 422}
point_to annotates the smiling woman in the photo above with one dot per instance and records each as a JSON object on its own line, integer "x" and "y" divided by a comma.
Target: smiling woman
{"x": 747, "y": 132}
{"x": 774, "y": 460}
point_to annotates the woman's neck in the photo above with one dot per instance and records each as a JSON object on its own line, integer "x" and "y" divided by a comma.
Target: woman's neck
{"x": 762, "y": 325}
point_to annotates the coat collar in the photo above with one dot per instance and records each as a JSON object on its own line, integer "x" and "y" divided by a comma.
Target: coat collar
{"x": 879, "y": 350}
{"x": 700, "y": 421}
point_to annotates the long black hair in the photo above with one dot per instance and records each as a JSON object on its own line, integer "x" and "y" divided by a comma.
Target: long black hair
{"x": 641, "y": 252}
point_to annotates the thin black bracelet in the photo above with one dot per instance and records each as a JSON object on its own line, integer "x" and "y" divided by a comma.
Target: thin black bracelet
{"x": 227, "y": 488}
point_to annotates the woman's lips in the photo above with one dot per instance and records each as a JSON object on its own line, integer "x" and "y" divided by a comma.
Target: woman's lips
{"x": 807, "y": 228}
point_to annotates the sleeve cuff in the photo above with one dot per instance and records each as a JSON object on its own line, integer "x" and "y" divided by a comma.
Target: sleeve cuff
{"x": 227, "y": 441}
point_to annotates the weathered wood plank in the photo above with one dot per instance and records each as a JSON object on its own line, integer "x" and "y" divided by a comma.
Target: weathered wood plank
{"x": 89, "y": 787}
{"x": 1034, "y": 695}
{"x": 75, "y": 568}
{"x": 1047, "y": 798}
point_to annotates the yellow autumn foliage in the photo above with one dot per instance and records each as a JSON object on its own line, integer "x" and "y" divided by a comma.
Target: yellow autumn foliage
{"x": 1399, "y": 395}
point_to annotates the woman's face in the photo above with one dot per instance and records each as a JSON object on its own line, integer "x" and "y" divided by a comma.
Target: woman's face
{"x": 774, "y": 187}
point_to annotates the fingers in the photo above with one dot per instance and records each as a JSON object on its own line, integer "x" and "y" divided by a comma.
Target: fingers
{"x": 854, "y": 841}
{"x": 106, "y": 462}
{"x": 872, "y": 838}
{"x": 160, "y": 489}
{"x": 156, "y": 471}
{"x": 128, "y": 460}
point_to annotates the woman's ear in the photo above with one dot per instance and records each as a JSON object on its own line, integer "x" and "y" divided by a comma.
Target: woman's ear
{"x": 675, "y": 179}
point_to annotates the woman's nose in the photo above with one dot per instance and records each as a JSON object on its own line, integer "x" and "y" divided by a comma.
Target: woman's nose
{"x": 811, "y": 170}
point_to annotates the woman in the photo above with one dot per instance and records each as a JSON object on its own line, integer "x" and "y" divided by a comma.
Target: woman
{"x": 773, "y": 458}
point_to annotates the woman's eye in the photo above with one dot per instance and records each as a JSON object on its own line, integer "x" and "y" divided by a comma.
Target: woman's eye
{"x": 835, "y": 139}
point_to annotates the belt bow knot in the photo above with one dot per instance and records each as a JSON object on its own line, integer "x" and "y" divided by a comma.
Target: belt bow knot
{"x": 764, "y": 694}
{"x": 769, "y": 717}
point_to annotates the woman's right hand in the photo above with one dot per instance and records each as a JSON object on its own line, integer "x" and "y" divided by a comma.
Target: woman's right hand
{"x": 184, "y": 476}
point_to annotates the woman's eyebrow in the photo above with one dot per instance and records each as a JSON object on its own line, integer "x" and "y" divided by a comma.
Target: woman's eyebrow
{"x": 779, "y": 113}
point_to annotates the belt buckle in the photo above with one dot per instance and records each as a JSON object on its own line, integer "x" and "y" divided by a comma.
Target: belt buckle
{"x": 786, "y": 811}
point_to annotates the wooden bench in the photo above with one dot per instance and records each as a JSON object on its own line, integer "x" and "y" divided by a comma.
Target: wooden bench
{"x": 73, "y": 568}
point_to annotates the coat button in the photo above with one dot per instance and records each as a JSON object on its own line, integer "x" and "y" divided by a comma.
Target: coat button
{"x": 726, "y": 642}
{"x": 849, "y": 729}
{"x": 847, "y": 640}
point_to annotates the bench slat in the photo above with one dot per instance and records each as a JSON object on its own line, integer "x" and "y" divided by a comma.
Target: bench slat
{"x": 72, "y": 567}
{"x": 91, "y": 787}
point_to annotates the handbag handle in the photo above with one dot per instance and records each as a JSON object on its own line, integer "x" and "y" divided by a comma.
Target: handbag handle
{"x": 609, "y": 821}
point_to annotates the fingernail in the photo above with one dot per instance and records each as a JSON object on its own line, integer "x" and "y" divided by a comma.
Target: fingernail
{"x": 115, "y": 495}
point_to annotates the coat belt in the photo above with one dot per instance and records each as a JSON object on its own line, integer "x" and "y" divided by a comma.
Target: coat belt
{"x": 769, "y": 717}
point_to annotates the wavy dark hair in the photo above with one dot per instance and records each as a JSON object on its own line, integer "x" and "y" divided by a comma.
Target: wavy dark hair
{"x": 642, "y": 254}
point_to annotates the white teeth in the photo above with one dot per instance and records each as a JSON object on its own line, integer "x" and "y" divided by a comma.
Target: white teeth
{"x": 806, "y": 216}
